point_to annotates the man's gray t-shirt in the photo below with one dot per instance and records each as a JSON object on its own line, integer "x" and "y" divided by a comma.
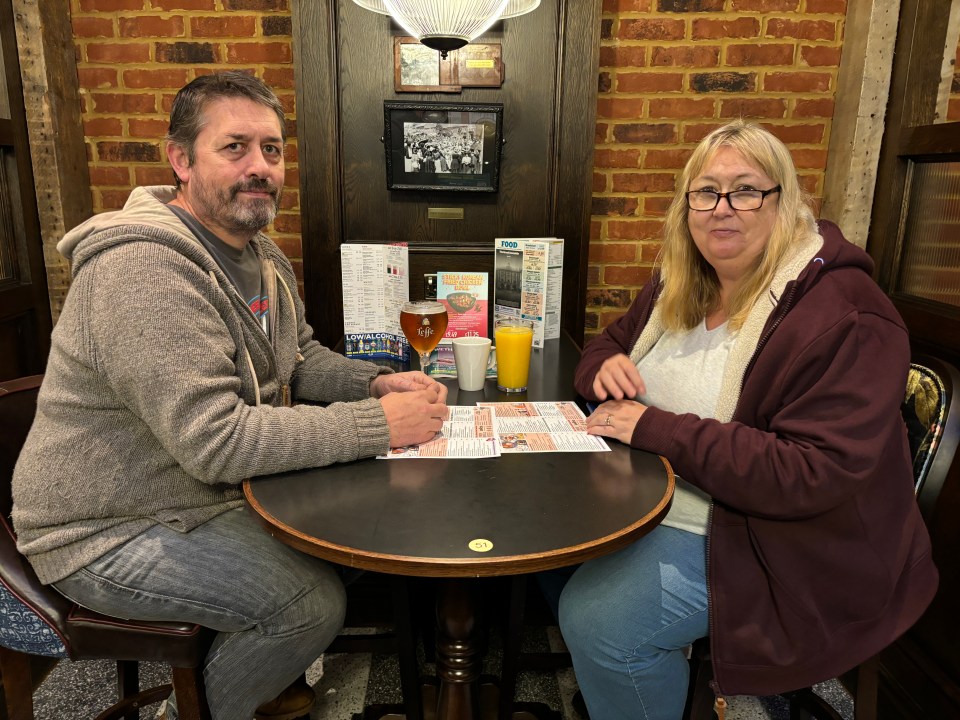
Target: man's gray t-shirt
{"x": 241, "y": 266}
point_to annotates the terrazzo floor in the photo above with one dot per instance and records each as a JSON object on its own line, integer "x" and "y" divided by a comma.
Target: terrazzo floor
{"x": 346, "y": 683}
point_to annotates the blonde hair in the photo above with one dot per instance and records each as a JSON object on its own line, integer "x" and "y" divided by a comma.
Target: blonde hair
{"x": 690, "y": 288}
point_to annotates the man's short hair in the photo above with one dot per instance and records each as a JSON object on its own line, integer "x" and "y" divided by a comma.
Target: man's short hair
{"x": 186, "y": 115}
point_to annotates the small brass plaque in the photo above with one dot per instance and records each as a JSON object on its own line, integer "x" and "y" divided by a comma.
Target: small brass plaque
{"x": 445, "y": 213}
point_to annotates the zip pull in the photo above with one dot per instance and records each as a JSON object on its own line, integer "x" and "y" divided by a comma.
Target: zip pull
{"x": 285, "y": 396}
{"x": 719, "y": 703}
{"x": 299, "y": 358}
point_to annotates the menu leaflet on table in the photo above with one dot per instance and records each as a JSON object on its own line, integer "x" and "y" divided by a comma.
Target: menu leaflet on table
{"x": 491, "y": 429}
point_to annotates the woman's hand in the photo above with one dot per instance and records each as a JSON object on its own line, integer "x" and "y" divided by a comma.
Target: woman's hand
{"x": 618, "y": 378}
{"x": 616, "y": 419}
{"x": 406, "y": 382}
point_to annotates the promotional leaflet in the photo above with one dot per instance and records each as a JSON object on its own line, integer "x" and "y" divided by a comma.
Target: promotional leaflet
{"x": 464, "y": 294}
{"x": 375, "y": 286}
{"x": 444, "y": 365}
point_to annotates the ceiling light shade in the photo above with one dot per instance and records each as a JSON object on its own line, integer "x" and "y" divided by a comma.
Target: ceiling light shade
{"x": 446, "y": 25}
{"x": 376, "y": 5}
{"x": 514, "y": 7}
{"x": 519, "y": 7}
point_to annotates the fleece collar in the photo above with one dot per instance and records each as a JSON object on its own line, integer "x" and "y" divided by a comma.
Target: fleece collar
{"x": 745, "y": 342}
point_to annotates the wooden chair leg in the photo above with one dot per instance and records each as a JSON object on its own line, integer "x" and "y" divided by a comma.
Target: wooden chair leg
{"x": 805, "y": 704}
{"x": 868, "y": 681}
{"x": 700, "y": 697}
{"x": 512, "y": 645}
{"x": 17, "y": 684}
{"x": 191, "y": 696}
{"x": 131, "y": 704}
{"x": 128, "y": 683}
{"x": 406, "y": 649}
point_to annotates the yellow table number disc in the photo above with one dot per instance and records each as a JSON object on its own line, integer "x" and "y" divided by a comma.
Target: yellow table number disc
{"x": 480, "y": 545}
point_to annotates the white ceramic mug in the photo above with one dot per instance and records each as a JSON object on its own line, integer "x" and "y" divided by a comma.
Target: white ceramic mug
{"x": 471, "y": 355}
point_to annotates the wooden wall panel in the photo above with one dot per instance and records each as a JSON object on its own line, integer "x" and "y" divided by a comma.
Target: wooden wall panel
{"x": 344, "y": 66}
{"x": 519, "y": 208}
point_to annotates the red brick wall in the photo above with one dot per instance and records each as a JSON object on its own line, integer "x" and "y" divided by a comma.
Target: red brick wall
{"x": 133, "y": 55}
{"x": 671, "y": 70}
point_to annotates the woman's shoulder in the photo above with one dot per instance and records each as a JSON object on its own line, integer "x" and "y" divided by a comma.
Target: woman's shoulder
{"x": 850, "y": 289}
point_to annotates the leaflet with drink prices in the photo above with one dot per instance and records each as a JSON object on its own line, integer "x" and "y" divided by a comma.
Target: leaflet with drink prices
{"x": 491, "y": 429}
{"x": 444, "y": 365}
{"x": 528, "y": 278}
{"x": 464, "y": 294}
{"x": 375, "y": 286}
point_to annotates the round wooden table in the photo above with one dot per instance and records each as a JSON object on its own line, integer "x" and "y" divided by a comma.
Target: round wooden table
{"x": 468, "y": 518}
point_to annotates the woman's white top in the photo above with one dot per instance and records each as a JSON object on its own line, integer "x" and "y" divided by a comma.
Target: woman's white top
{"x": 682, "y": 373}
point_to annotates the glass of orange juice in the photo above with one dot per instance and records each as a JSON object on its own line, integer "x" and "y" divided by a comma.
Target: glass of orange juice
{"x": 514, "y": 340}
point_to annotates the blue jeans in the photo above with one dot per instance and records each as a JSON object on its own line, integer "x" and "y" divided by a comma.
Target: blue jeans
{"x": 628, "y": 618}
{"x": 275, "y": 609}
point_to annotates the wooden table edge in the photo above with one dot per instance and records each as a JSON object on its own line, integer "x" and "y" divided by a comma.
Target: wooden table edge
{"x": 460, "y": 567}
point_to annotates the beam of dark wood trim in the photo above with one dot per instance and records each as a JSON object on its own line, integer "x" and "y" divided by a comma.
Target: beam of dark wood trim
{"x": 913, "y": 98}
{"x": 318, "y": 140}
{"x": 929, "y": 141}
{"x": 577, "y": 88}
{"x": 62, "y": 92}
{"x": 316, "y": 49}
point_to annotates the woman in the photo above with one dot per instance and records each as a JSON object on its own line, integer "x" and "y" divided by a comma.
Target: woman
{"x": 764, "y": 363}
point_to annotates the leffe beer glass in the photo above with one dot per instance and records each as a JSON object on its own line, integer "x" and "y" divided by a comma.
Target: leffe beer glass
{"x": 423, "y": 322}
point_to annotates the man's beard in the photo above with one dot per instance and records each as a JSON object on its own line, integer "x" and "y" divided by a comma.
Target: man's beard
{"x": 250, "y": 214}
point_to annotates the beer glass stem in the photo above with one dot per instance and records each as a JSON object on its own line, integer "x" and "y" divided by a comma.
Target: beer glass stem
{"x": 424, "y": 361}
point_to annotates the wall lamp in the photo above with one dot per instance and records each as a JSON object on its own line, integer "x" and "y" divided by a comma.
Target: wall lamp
{"x": 447, "y": 25}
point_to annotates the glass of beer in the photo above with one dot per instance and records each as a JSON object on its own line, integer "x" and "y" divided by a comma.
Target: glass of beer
{"x": 423, "y": 322}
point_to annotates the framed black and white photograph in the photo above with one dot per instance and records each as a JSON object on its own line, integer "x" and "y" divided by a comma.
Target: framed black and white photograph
{"x": 443, "y": 146}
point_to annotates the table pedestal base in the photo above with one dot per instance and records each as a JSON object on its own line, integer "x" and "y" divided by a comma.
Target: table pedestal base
{"x": 489, "y": 696}
{"x": 460, "y": 692}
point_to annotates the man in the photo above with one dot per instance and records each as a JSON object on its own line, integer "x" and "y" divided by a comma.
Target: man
{"x": 171, "y": 376}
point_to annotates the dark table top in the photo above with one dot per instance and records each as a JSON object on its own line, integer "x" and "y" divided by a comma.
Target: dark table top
{"x": 472, "y": 517}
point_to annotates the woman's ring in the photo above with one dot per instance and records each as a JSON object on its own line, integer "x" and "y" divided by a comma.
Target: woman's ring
{"x": 608, "y": 420}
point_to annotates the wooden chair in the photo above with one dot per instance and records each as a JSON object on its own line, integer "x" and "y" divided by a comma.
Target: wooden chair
{"x": 36, "y": 620}
{"x": 933, "y": 429}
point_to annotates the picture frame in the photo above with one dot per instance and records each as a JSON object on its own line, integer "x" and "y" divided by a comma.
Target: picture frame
{"x": 443, "y": 146}
{"x": 479, "y": 65}
{"x": 417, "y": 68}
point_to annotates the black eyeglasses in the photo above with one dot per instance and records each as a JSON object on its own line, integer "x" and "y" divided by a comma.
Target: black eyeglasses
{"x": 738, "y": 199}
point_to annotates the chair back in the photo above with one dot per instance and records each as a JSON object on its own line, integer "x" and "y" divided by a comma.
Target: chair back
{"x": 31, "y": 614}
{"x": 933, "y": 428}
{"x": 18, "y": 405}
